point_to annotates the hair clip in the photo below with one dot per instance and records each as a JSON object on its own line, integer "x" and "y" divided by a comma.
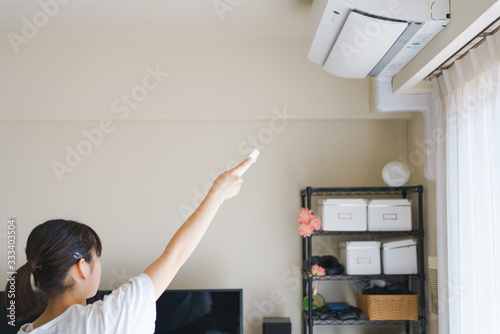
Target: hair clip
{"x": 76, "y": 255}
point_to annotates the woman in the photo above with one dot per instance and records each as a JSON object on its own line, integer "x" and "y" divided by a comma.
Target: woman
{"x": 63, "y": 257}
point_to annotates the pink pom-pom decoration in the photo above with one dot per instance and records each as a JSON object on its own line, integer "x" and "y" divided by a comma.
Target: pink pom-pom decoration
{"x": 304, "y": 215}
{"x": 305, "y": 229}
{"x": 317, "y": 270}
{"x": 308, "y": 223}
{"x": 315, "y": 222}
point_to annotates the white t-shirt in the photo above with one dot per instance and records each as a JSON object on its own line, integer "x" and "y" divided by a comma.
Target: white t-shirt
{"x": 129, "y": 309}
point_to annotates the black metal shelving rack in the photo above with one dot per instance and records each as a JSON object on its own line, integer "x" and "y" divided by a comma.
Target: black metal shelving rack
{"x": 308, "y": 321}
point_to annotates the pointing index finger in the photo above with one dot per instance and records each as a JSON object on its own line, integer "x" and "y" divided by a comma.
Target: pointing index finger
{"x": 241, "y": 167}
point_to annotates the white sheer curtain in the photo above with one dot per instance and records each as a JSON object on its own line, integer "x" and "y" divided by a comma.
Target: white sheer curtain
{"x": 468, "y": 192}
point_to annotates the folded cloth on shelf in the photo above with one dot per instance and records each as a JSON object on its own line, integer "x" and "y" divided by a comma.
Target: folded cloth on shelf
{"x": 397, "y": 288}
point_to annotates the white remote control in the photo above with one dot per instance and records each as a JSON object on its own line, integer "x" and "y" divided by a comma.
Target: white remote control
{"x": 254, "y": 154}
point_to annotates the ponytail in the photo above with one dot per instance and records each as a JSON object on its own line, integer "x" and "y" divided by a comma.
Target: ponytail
{"x": 24, "y": 298}
{"x": 52, "y": 249}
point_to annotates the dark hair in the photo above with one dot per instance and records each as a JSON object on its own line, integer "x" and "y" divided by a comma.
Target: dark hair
{"x": 51, "y": 250}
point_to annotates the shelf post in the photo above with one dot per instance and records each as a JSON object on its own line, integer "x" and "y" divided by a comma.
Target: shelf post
{"x": 309, "y": 265}
{"x": 421, "y": 262}
{"x": 304, "y": 254}
{"x": 309, "y": 195}
{"x": 309, "y": 284}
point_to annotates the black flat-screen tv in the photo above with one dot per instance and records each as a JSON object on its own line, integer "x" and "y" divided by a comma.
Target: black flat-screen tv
{"x": 199, "y": 312}
{"x": 204, "y": 311}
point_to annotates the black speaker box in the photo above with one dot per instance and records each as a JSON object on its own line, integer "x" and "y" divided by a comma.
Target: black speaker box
{"x": 276, "y": 326}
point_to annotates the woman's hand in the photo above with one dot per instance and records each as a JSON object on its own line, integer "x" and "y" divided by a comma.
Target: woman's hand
{"x": 228, "y": 184}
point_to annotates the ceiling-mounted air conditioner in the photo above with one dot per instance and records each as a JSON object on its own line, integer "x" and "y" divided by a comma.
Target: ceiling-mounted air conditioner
{"x": 360, "y": 38}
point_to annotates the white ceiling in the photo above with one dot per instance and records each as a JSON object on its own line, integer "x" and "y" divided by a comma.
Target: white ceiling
{"x": 158, "y": 18}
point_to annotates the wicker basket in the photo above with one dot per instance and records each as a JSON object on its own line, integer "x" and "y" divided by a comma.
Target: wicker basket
{"x": 389, "y": 307}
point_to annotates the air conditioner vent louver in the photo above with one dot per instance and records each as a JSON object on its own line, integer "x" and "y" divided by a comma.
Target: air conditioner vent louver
{"x": 360, "y": 38}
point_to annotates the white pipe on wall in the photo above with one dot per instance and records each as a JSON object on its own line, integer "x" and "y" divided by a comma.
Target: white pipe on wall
{"x": 387, "y": 101}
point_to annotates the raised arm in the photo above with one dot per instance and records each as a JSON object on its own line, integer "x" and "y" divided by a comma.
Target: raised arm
{"x": 188, "y": 236}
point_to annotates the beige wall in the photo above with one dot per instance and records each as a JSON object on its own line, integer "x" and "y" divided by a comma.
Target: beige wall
{"x": 132, "y": 189}
{"x": 137, "y": 183}
{"x": 415, "y": 159}
{"x": 208, "y": 78}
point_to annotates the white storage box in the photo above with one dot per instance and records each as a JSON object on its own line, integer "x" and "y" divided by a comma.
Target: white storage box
{"x": 361, "y": 257}
{"x": 389, "y": 215}
{"x": 400, "y": 257}
{"x": 343, "y": 214}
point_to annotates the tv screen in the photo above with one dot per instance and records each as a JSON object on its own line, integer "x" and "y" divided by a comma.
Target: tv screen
{"x": 199, "y": 312}
{"x": 208, "y": 311}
